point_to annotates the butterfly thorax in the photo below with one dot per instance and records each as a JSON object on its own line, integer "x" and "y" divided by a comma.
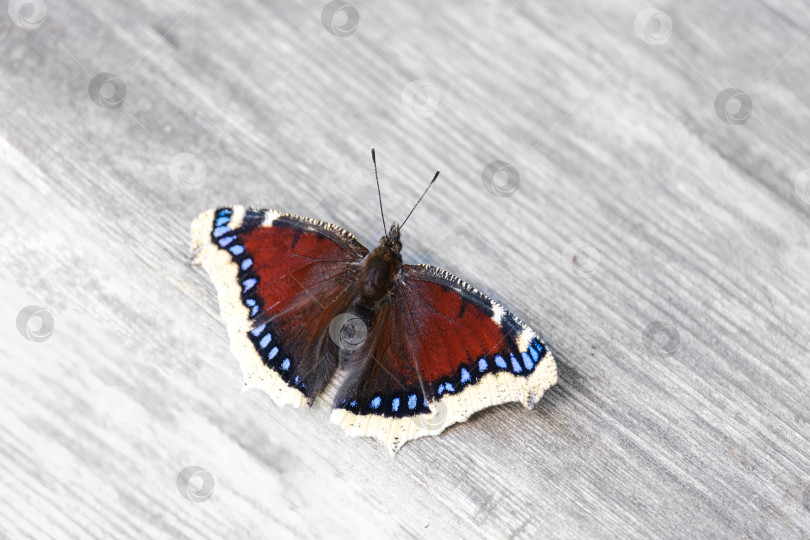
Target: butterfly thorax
{"x": 381, "y": 267}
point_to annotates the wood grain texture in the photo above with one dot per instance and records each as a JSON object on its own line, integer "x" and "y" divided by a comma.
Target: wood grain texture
{"x": 637, "y": 208}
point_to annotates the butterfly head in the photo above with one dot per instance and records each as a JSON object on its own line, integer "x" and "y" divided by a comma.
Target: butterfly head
{"x": 391, "y": 239}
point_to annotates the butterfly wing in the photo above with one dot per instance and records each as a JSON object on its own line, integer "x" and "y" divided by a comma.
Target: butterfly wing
{"x": 437, "y": 351}
{"x": 281, "y": 279}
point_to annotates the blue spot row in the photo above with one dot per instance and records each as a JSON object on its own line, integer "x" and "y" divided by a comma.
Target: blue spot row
{"x": 226, "y": 238}
{"x": 519, "y": 364}
{"x": 269, "y": 351}
{"x": 387, "y": 406}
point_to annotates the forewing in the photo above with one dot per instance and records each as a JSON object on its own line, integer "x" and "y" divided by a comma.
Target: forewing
{"x": 280, "y": 279}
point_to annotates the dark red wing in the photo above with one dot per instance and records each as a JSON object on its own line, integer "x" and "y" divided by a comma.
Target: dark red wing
{"x": 438, "y": 351}
{"x": 281, "y": 279}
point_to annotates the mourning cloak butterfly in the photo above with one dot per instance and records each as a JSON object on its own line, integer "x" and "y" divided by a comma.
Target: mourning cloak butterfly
{"x": 422, "y": 349}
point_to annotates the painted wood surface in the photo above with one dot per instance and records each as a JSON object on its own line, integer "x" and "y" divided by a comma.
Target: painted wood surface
{"x": 650, "y": 223}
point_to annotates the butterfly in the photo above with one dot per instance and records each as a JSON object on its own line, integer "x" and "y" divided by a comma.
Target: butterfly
{"x": 420, "y": 348}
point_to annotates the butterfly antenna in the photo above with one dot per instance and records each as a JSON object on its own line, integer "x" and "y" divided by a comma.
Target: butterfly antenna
{"x": 435, "y": 176}
{"x": 379, "y": 193}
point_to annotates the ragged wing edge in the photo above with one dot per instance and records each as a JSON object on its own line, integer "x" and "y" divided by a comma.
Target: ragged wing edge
{"x": 224, "y": 274}
{"x": 492, "y": 389}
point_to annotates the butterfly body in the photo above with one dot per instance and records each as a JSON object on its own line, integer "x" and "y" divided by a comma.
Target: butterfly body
{"x": 381, "y": 268}
{"x": 420, "y": 348}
